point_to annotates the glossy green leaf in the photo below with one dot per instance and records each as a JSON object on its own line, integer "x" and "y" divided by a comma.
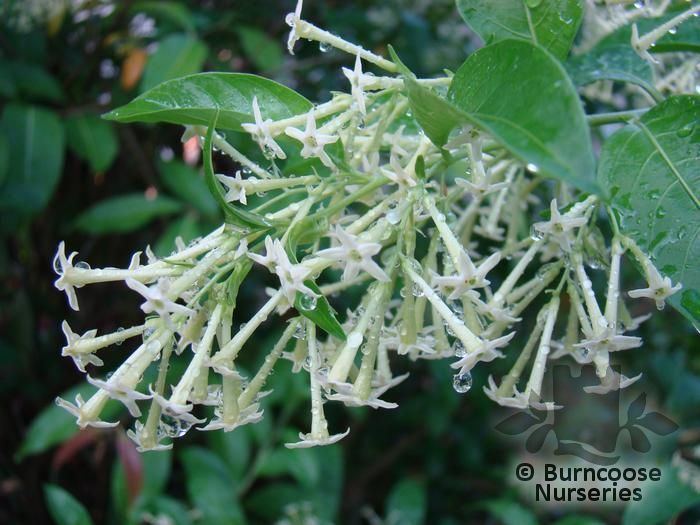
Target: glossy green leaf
{"x": 407, "y": 502}
{"x": 553, "y": 24}
{"x": 187, "y": 183}
{"x": 618, "y": 62}
{"x": 177, "y": 55}
{"x": 31, "y": 81}
{"x": 36, "y": 146}
{"x": 539, "y": 118}
{"x": 64, "y": 508}
{"x": 649, "y": 170}
{"x": 663, "y": 500}
{"x": 211, "y": 488}
{"x": 265, "y": 52}
{"x": 93, "y": 140}
{"x": 197, "y": 99}
{"x": 125, "y": 213}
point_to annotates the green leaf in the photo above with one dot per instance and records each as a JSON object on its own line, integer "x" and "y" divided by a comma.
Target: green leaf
{"x": 577, "y": 519}
{"x": 539, "y": 118}
{"x": 125, "y": 213}
{"x": 407, "y": 503}
{"x": 662, "y": 501}
{"x": 4, "y": 157}
{"x": 93, "y": 140}
{"x": 197, "y": 99}
{"x": 185, "y": 182}
{"x": 263, "y": 51}
{"x": 233, "y": 448}
{"x": 510, "y": 512}
{"x": 649, "y": 170}
{"x": 172, "y": 508}
{"x": 302, "y": 464}
{"x": 64, "y": 508}
{"x": 211, "y": 488}
{"x": 234, "y": 213}
{"x": 36, "y": 144}
{"x": 177, "y": 55}
{"x": 31, "y": 81}
{"x": 174, "y": 12}
{"x": 553, "y": 24}
{"x": 618, "y": 62}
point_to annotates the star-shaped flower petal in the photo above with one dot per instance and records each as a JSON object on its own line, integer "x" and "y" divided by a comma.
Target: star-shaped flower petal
{"x": 659, "y": 287}
{"x": 63, "y": 266}
{"x": 355, "y": 254}
{"x": 156, "y": 300}
{"x": 235, "y": 191}
{"x": 313, "y": 141}
{"x": 79, "y": 358}
{"x": 358, "y": 81}
{"x": 291, "y": 19}
{"x": 468, "y": 276}
{"x": 128, "y": 396}
{"x": 309, "y": 440}
{"x": 398, "y": 174}
{"x": 261, "y": 133}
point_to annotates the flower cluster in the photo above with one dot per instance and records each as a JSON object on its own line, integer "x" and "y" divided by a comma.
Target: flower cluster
{"x": 447, "y": 266}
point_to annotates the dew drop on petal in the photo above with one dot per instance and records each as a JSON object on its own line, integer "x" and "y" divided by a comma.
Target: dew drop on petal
{"x": 462, "y": 382}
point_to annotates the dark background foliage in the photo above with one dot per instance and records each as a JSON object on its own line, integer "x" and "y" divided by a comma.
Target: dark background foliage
{"x": 436, "y": 459}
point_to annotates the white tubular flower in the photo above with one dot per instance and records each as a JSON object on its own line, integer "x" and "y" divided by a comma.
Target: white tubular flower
{"x": 247, "y": 416}
{"x": 80, "y": 359}
{"x": 468, "y": 276}
{"x": 261, "y": 133}
{"x": 659, "y": 288}
{"x": 481, "y": 186}
{"x": 156, "y": 300}
{"x": 291, "y": 19}
{"x": 611, "y": 381}
{"x": 517, "y": 399}
{"x": 87, "y": 413}
{"x": 137, "y": 437}
{"x": 291, "y": 276}
{"x": 313, "y": 141}
{"x": 308, "y": 440}
{"x": 488, "y": 351}
{"x": 355, "y": 254}
{"x": 235, "y": 191}
{"x": 176, "y": 410}
{"x": 398, "y": 174}
{"x": 63, "y": 266}
{"x": 558, "y": 225}
{"x": 347, "y": 396}
{"x": 358, "y": 81}
{"x": 125, "y": 394}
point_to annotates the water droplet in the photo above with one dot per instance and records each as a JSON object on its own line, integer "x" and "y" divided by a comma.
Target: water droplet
{"x": 685, "y": 131}
{"x": 458, "y": 349}
{"x": 82, "y": 265}
{"x": 535, "y": 234}
{"x": 299, "y": 332}
{"x": 324, "y": 47}
{"x": 462, "y": 383}
{"x": 532, "y": 168}
{"x": 308, "y": 302}
{"x": 173, "y": 427}
{"x": 672, "y": 31}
